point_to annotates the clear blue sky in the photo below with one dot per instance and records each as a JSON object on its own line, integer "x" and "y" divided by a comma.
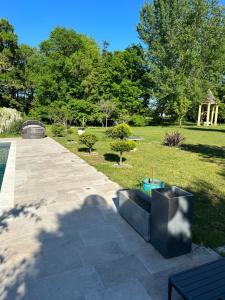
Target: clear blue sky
{"x": 111, "y": 20}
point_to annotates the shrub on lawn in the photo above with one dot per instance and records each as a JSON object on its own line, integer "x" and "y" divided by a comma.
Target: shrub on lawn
{"x": 139, "y": 120}
{"x": 173, "y": 139}
{"x": 109, "y": 132}
{"x": 15, "y": 127}
{"x": 122, "y": 146}
{"x": 88, "y": 140}
{"x": 121, "y": 131}
{"x": 70, "y": 131}
{"x": 8, "y": 116}
{"x": 58, "y": 130}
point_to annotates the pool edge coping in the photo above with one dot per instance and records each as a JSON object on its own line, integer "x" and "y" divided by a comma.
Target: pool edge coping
{"x": 8, "y": 183}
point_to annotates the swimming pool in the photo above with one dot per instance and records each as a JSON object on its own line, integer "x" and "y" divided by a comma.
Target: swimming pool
{"x": 4, "y": 151}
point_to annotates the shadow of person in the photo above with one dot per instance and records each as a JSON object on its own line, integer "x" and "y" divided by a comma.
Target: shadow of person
{"x": 57, "y": 270}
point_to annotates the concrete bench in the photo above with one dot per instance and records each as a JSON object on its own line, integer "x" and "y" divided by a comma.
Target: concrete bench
{"x": 135, "y": 138}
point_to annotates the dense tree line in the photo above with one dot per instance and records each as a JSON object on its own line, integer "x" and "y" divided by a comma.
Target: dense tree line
{"x": 185, "y": 51}
{"x": 68, "y": 79}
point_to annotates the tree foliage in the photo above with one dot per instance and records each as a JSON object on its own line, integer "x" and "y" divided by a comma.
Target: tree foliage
{"x": 58, "y": 130}
{"x": 186, "y": 50}
{"x": 88, "y": 140}
{"x": 59, "y": 113}
{"x": 68, "y": 79}
{"x": 122, "y": 146}
{"x": 107, "y": 107}
{"x": 121, "y": 131}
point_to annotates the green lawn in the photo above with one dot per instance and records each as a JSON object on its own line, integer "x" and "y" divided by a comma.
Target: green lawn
{"x": 198, "y": 166}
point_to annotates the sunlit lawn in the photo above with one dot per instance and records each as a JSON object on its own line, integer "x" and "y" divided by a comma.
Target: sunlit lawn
{"x": 198, "y": 166}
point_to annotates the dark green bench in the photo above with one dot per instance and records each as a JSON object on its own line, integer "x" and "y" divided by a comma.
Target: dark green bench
{"x": 206, "y": 282}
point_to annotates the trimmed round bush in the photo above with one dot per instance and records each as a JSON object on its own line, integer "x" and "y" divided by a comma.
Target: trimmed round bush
{"x": 88, "y": 140}
{"x": 173, "y": 139}
{"x": 122, "y": 146}
{"x": 121, "y": 131}
{"x": 58, "y": 130}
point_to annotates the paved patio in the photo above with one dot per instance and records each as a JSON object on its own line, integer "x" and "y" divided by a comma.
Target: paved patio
{"x": 65, "y": 240}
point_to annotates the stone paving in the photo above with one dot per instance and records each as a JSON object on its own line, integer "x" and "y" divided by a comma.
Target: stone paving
{"x": 65, "y": 240}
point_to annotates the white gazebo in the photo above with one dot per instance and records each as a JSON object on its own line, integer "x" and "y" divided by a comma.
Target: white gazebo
{"x": 211, "y": 110}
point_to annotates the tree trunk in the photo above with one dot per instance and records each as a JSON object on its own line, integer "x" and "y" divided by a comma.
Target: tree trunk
{"x": 90, "y": 150}
{"x": 121, "y": 158}
{"x": 106, "y": 121}
{"x": 180, "y": 122}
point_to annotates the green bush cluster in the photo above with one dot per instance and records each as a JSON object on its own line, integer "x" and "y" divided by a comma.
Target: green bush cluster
{"x": 109, "y": 132}
{"x": 15, "y": 127}
{"x": 139, "y": 120}
{"x": 70, "y": 131}
{"x": 58, "y": 130}
{"x": 88, "y": 140}
{"x": 121, "y": 131}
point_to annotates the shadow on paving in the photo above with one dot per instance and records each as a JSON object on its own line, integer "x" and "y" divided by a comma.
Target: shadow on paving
{"x": 20, "y": 211}
{"x": 93, "y": 255}
{"x": 81, "y": 260}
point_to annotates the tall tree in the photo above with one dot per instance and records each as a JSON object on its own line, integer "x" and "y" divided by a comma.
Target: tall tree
{"x": 107, "y": 107}
{"x": 186, "y": 48}
{"x": 67, "y": 59}
{"x": 10, "y": 83}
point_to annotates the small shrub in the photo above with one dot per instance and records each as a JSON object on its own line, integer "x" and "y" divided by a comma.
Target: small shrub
{"x": 15, "y": 127}
{"x": 122, "y": 146}
{"x": 173, "y": 139}
{"x": 8, "y": 116}
{"x": 139, "y": 120}
{"x": 88, "y": 140}
{"x": 109, "y": 132}
{"x": 121, "y": 131}
{"x": 58, "y": 130}
{"x": 70, "y": 131}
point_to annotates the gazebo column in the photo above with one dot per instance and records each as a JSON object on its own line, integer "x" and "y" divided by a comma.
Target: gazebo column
{"x": 212, "y": 114}
{"x": 199, "y": 114}
{"x": 216, "y": 115}
{"x": 208, "y": 115}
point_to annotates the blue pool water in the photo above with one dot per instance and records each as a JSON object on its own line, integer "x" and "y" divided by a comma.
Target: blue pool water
{"x": 4, "y": 151}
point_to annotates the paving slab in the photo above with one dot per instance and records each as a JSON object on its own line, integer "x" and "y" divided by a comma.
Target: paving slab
{"x": 131, "y": 290}
{"x": 101, "y": 253}
{"x": 121, "y": 270}
{"x": 64, "y": 239}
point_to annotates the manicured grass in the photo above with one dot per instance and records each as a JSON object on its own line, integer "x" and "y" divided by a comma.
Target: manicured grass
{"x": 7, "y": 135}
{"x": 198, "y": 166}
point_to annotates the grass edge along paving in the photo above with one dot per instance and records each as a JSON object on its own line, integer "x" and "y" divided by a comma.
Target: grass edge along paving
{"x": 197, "y": 166}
